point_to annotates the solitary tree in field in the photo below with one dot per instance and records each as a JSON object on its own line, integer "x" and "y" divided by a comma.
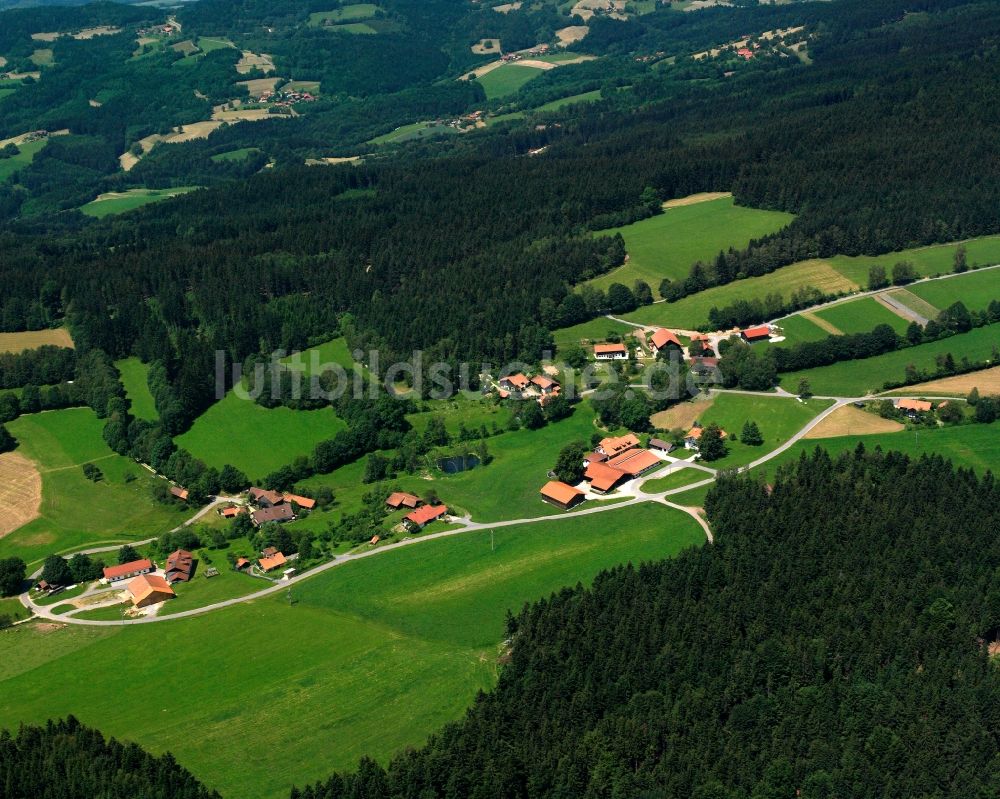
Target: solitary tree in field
{"x": 751, "y": 435}
{"x": 961, "y": 263}
{"x": 805, "y": 390}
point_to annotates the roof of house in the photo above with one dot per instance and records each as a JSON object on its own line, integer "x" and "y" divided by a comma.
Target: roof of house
{"x": 145, "y": 584}
{"x": 231, "y": 512}
{"x": 273, "y": 562}
{"x": 614, "y": 445}
{"x": 518, "y": 380}
{"x": 663, "y": 337}
{"x": 116, "y": 572}
{"x": 913, "y": 405}
{"x": 760, "y": 331}
{"x": 609, "y": 349}
{"x": 427, "y": 513}
{"x": 595, "y": 457}
{"x": 560, "y": 492}
{"x": 696, "y": 431}
{"x": 544, "y": 382}
{"x": 400, "y": 499}
{"x": 303, "y": 502}
{"x": 634, "y": 461}
{"x": 278, "y": 513}
{"x": 503, "y": 394}
{"x": 659, "y": 443}
{"x": 241, "y": 562}
{"x": 375, "y": 540}
{"x": 700, "y": 361}
{"x": 180, "y": 493}
{"x": 602, "y": 477}
{"x": 262, "y": 493}
{"x": 179, "y": 560}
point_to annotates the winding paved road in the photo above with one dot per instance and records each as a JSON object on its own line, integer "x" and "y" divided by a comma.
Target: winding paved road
{"x": 637, "y": 495}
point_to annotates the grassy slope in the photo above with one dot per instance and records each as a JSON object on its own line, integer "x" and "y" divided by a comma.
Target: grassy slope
{"x": 862, "y": 315}
{"x": 593, "y": 330}
{"x": 855, "y": 378}
{"x": 74, "y": 510}
{"x": 507, "y": 80}
{"x": 134, "y": 377}
{"x": 799, "y": 328}
{"x": 667, "y": 245}
{"x": 255, "y": 439}
{"x": 975, "y": 289}
{"x": 693, "y": 311}
{"x": 371, "y": 657}
{"x": 26, "y": 154}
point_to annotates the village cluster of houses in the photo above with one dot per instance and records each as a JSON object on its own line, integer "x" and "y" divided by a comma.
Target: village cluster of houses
{"x": 520, "y": 386}
{"x": 616, "y": 460}
{"x": 534, "y": 52}
{"x": 144, "y": 586}
{"x": 283, "y": 99}
{"x": 421, "y": 514}
{"x": 663, "y": 339}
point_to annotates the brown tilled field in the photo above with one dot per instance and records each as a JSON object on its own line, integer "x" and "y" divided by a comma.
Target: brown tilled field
{"x": 851, "y": 421}
{"x": 31, "y": 339}
{"x": 20, "y": 492}
{"x": 682, "y": 415}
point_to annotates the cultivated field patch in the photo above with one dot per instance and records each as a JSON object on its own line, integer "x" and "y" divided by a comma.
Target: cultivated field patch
{"x": 251, "y": 61}
{"x": 506, "y": 79}
{"x": 694, "y": 199}
{"x": 486, "y": 46}
{"x": 692, "y": 312}
{"x": 910, "y": 300}
{"x": 20, "y": 492}
{"x": 32, "y": 339}
{"x": 683, "y": 415}
{"x": 860, "y": 316}
{"x": 976, "y": 290}
{"x": 669, "y": 244}
{"x": 118, "y": 202}
{"x": 986, "y": 381}
{"x": 848, "y": 421}
{"x": 259, "y": 86}
{"x": 572, "y": 33}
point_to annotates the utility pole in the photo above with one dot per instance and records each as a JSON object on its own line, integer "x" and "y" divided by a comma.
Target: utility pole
{"x": 492, "y": 545}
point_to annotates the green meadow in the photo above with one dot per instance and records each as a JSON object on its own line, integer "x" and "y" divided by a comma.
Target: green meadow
{"x": 676, "y": 479}
{"x": 506, "y": 80}
{"x": 692, "y": 311}
{"x": 937, "y": 259}
{"x": 75, "y": 511}
{"x": 416, "y": 130}
{"x": 25, "y": 155}
{"x": 799, "y": 328}
{"x": 973, "y": 446}
{"x": 242, "y": 154}
{"x": 343, "y": 14}
{"x": 861, "y": 315}
{"x": 371, "y": 656}
{"x": 135, "y": 379}
{"x": 667, "y": 245}
{"x": 592, "y": 330}
{"x": 562, "y": 102}
{"x": 779, "y": 418}
{"x": 255, "y": 439}
{"x": 120, "y": 202}
{"x": 856, "y": 378}
{"x": 975, "y": 289}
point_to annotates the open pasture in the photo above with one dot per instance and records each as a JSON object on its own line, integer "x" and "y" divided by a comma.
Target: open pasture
{"x": 861, "y": 316}
{"x": 135, "y": 379}
{"x": 119, "y": 202}
{"x": 975, "y": 289}
{"x": 348, "y": 13}
{"x": 857, "y": 378}
{"x": 426, "y": 620}
{"x": 668, "y": 245}
{"x": 25, "y": 155}
{"x": 75, "y": 511}
{"x": 692, "y": 311}
{"x": 986, "y": 381}
{"x": 32, "y": 339}
{"x": 507, "y": 79}
{"x": 801, "y": 328}
{"x": 936, "y": 259}
{"x": 591, "y": 330}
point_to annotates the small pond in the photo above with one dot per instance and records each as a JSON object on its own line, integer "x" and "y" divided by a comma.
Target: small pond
{"x": 458, "y": 463}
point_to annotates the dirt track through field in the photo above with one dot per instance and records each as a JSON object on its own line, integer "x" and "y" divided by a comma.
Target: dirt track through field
{"x": 20, "y": 492}
{"x": 694, "y": 199}
{"x": 832, "y": 329}
{"x": 851, "y": 421}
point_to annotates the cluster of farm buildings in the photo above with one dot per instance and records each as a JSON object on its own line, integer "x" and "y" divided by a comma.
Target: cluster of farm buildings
{"x": 663, "y": 339}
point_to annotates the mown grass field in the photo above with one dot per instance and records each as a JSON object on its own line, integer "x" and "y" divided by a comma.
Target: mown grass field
{"x": 121, "y": 202}
{"x": 236, "y": 155}
{"x": 134, "y": 377}
{"x": 255, "y": 439}
{"x": 976, "y": 289}
{"x": 973, "y": 446}
{"x": 506, "y": 80}
{"x": 799, "y": 328}
{"x": 368, "y": 658}
{"x": 676, "y": 479}
{"x": 692, "y": 312}
{"x": 667, "y": 245}
{"x": 346, "y": 13}
{"x": 856, "y": 378}
{"x": 416, "y": 130}
{"x": 861, "y": 316}
{"x": 25, "y": 155}
{"x": 75, "y": 511}
{"x": 555, "y": 105}
{"x": 32, "y": 339}
{"x": 592, "y": 330}
{"x": 779, "y": 418}
{"x": 937, "y": 259}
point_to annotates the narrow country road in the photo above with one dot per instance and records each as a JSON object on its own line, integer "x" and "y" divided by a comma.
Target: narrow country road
{"x": 468, "y": 526}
